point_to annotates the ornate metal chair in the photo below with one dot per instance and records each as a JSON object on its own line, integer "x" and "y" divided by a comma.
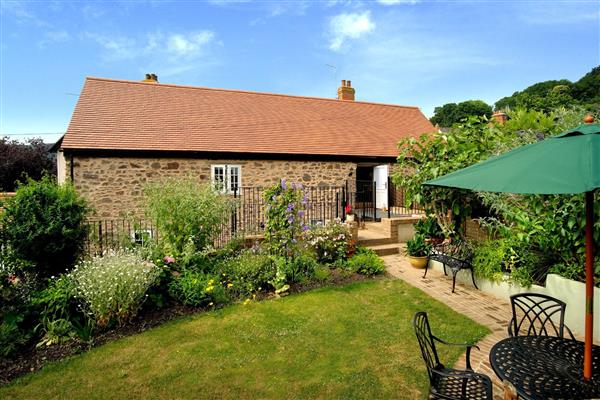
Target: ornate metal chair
{"x": 448, "y": 383}
{"x": 537, "y": 315}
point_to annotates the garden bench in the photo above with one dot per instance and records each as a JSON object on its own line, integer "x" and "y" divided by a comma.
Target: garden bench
{"x": 457, "y": 255}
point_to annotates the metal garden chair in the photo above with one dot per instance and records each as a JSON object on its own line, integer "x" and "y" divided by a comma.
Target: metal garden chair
{"x": 448, "y": 383}
{"x": 537, "y": 315}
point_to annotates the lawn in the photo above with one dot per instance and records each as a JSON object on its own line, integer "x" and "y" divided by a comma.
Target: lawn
{"x": 346, "y": 342}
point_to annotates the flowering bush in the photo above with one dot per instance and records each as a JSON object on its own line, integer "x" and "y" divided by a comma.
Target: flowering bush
{"x": 248, "y": 273}
{"x": 285, "y": 210}
{"x": 330, "y": 241}
{"x": 197, "y": 289}
{"x": 113, "y": 286}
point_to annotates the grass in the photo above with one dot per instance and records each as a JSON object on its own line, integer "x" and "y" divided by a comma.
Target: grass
{"x": 348, "y": 342}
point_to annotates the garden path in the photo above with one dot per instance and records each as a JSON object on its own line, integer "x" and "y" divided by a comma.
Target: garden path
{"x": 480, "y": 307}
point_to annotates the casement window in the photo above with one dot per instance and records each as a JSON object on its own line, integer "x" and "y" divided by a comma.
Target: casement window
{"x": 226, "y": 178}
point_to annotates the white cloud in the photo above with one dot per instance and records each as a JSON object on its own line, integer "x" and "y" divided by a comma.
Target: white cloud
{"x": 189, "y": 46}
{"x": 176, "y": 46}
{"x": 54, "y": 37}
{"x": 349, "y": 26}
{"x": 168, "y": 54}
{"x": 395, "y": 2}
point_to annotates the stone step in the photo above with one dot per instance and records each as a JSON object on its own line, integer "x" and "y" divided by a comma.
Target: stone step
{"x": 386, "y": 249}
{"x": 368, "y": 242}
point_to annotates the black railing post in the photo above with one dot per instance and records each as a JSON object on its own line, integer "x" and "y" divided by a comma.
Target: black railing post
{"x": 344, "y": 200}
{"x": 234, "y": 212}
{"x": 100, "y": 235}
{"x": 389, "y": 199}
{"x": 374, "y": 201}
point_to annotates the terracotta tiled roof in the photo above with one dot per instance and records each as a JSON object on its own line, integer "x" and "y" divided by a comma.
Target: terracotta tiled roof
{"x": 127, "y": 115}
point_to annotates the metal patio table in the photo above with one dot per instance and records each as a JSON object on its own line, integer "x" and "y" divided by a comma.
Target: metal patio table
{"x": 546, "y": 367}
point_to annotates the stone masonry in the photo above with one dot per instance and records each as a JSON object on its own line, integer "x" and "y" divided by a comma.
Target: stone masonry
{"x": 114, "y": 185}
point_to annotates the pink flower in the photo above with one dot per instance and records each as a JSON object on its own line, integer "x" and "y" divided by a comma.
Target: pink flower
{"x": 169, "y": 259}
{"x": 13, "y": 280}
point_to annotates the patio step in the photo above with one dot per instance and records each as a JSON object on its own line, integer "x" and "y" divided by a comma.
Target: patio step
{"x": 376, "y": 241}
{"x": 386, "y": 249}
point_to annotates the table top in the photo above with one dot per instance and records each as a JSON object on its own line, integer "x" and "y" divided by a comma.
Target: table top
{"x": 546, "y": 367}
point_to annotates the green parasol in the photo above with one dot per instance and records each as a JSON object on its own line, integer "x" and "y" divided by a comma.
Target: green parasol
{"x": 565, "y": 164}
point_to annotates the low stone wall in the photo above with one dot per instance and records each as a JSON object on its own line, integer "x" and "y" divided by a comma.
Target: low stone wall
{"x": 569, "y": 291}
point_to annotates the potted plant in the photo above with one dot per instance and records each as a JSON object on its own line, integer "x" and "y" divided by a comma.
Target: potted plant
{"x": 349, "y": 213}
{"x": 430, "y": 229}
{"x": 417, "y": 250}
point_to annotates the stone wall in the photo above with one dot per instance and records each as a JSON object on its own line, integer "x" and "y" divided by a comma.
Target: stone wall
{"x": 114, "y": 185}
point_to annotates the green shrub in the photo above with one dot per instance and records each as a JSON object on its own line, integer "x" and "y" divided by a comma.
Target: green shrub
{"x": 493, "y": 258}
{"x": 59, "y": 311}
{"x": 417, "y": 247}
{"x": 44, "y": 224}
{"x": 197, "y": 289}
{"x": 11, "y": 336}
{"x": 186, "y": 212}
{"x": 322, "y": 273}
{"x": 329, "y": 241}
{"x": 249, "y": 272}
{"x": 366, "y": 262}
{"x": 113, "y": 286}
{"x": 429, "y": 227}
{"x": 301, "y": 268}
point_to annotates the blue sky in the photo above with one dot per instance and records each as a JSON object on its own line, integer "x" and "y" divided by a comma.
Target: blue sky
{"x": 423, "y": 53}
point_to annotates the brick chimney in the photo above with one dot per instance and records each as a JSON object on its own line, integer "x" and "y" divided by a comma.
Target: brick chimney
{"x": 346, "y": 91}
{"x": 150, "y": 78}
{"x": 500, "y": 117}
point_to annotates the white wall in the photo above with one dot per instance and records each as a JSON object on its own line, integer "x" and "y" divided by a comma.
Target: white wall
{"x": 571, "y": 292}
{"x": 61, "y": 167}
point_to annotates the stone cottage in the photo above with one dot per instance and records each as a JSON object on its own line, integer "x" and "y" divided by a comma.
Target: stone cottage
{"x": 124, "y": 134}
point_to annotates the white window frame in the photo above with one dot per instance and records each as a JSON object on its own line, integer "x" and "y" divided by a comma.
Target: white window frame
{"x": 227, "y": 169}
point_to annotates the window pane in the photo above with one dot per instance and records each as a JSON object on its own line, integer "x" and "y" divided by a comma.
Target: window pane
{"x": 234, "y": 178}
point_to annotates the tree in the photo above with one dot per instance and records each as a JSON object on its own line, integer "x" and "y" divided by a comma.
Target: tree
{"x": 452, "y": 113}
{"x": 18, "y": 160}
{"x": 44, "y": 225}
{"x": 587, "y": 89}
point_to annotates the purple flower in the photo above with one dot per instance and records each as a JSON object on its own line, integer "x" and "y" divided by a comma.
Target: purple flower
{"x": 305, "y": 228}
{"x": 291, "y": 219}
{"x": 305, "y": 199}
{"x": 274, "y": 197}
{"x": 293, "y": 186}
{"x": 300, "y": 186}
{"x": 283, "y": 184}
{"x": 290, "y": 207}
{"x": 301, "y": 213}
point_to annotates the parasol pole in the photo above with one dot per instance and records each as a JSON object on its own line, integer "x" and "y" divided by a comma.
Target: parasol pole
{"x": 589, "y": 283}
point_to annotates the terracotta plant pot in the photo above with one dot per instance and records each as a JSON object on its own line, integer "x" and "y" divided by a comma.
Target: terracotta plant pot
{"x": 434, "y": 241}
{"x": 418, "y": 262}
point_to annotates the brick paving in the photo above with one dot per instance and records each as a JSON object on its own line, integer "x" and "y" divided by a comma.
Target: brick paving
{"x": 480, "y": 307}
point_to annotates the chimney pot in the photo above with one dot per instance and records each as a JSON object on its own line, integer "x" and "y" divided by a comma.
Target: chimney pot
{"x": 346, "y": 92}
{"x": 500, "y": 117}
{"x": 151, "y": 78}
